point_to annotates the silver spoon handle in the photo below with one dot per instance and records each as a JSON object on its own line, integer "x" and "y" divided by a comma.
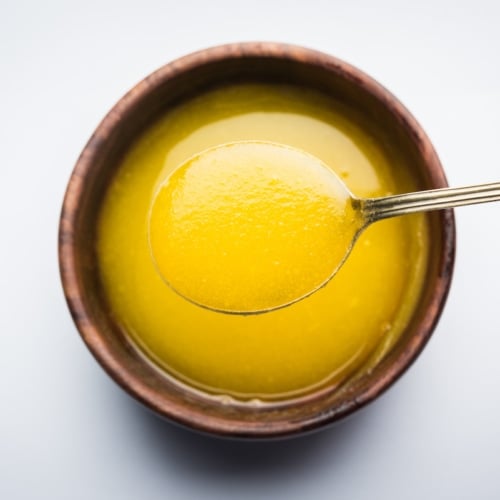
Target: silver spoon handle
{"x": 375, "y": 209}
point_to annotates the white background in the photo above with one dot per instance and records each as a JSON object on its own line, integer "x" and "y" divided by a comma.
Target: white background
{"x": 67, "y": 432}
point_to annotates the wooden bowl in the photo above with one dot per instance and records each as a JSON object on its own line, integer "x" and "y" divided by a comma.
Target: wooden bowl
{"x": 171, "y": 84}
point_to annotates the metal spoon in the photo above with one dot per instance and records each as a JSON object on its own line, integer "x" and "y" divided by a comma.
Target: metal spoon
{"x": 362, "y": 213}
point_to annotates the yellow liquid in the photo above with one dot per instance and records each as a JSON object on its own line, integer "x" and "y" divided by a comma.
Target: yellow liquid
{"x": 338, "y": 332}
{"x": 250, "y": 226}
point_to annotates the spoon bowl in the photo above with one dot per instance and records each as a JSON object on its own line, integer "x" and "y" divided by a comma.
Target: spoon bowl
{"x": 251, "y": 226}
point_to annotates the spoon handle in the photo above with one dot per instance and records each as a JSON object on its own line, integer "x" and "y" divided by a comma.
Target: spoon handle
{"x": 375, "y": 209}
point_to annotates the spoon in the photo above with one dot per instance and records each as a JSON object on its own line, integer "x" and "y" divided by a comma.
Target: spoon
{"x": 250, "y": 227}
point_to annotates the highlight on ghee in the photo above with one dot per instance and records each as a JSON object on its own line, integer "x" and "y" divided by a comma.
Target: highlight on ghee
{"x": 250, "y": 226}
{"x": 335, "y": 334}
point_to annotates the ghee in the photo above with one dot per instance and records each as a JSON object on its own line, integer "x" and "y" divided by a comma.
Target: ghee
{"x": 338, "y": 332}
{"x": 251, "y": 226}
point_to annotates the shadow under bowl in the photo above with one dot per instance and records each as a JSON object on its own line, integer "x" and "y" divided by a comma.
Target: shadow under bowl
{"x": 167, "y": 87}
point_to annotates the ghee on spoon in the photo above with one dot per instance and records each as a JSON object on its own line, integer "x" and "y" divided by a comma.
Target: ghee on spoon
{"x": 249, "y": 227}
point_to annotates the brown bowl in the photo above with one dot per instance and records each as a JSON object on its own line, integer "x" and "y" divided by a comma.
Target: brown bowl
{"x": 171, "y": 84}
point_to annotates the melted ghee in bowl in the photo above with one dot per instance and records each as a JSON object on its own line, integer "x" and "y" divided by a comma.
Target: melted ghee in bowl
{"x": 338, "y": 332}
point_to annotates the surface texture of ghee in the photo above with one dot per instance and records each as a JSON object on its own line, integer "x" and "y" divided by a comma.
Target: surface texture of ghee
{"x": 250, "y": 226}
{"x": 335, "y": 333}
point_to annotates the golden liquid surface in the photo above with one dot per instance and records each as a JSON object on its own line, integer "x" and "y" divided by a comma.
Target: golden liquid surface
{"x": 250, "y": 226}
{"x": 342, "y": 329}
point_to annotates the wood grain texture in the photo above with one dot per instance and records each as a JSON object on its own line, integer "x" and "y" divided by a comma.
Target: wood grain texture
{"x": 171, "y": 84}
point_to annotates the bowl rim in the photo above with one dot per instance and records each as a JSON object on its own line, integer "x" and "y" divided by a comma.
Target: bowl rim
{"x": 67, "y": 249}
